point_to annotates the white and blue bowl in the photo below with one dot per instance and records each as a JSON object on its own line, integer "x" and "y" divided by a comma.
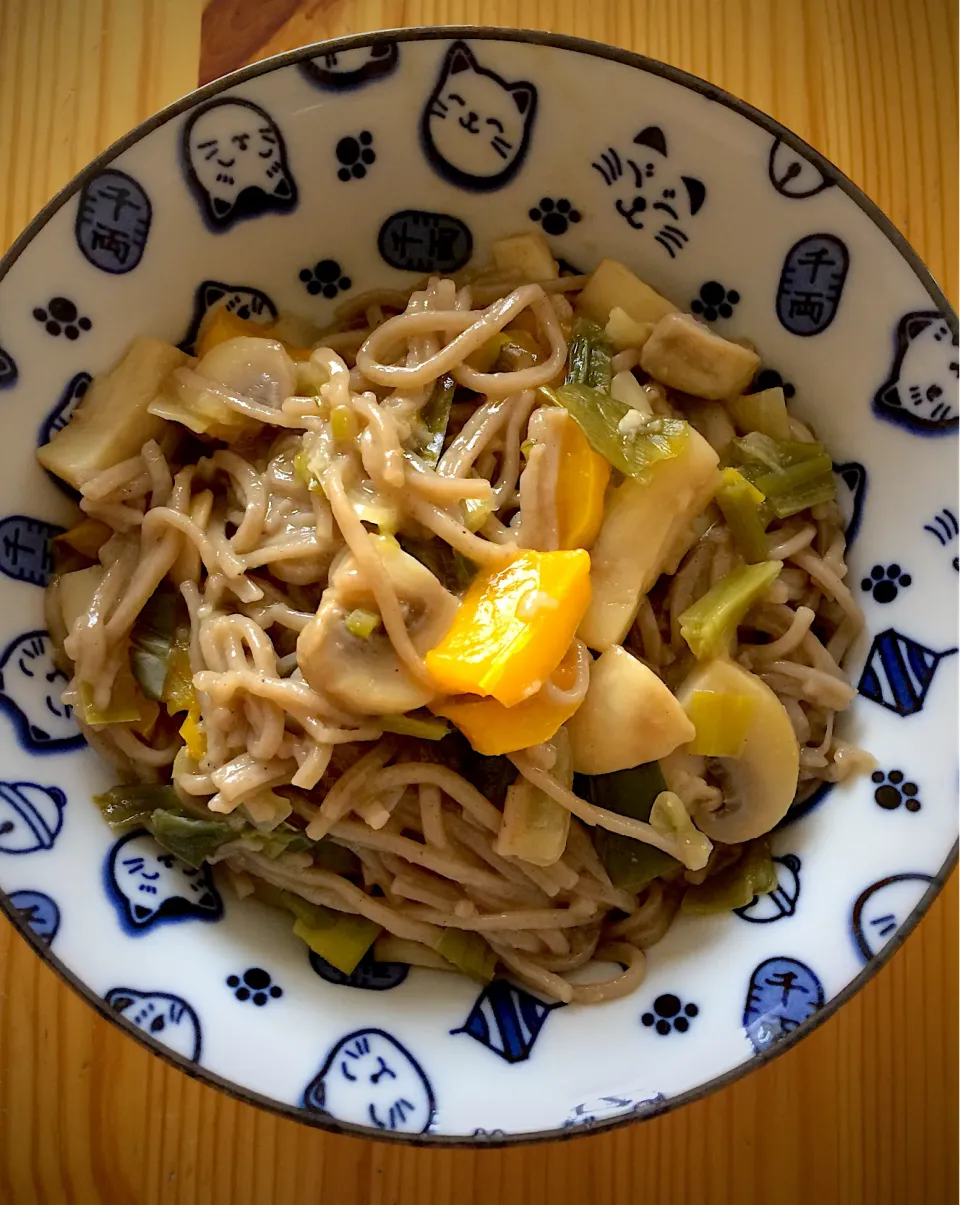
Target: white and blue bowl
{"x": 371, "y": 161}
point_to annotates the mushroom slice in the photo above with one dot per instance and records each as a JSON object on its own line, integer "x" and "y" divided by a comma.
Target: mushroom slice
{"x": 259, "y": 369}
{"x": 363, "y": 674}
{"x": 759, "y": 785}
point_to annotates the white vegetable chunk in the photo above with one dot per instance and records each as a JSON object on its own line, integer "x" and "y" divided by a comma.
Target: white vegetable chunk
{"x": 112, "y": 423}
{"x": 686, "y": 355}
{"x": 644, "y": 525}
{"x": 613, "y": 286}
{"x": 759, "y": 785}
{"x": 526, "y": 255}
{"x": 628, "y": 717}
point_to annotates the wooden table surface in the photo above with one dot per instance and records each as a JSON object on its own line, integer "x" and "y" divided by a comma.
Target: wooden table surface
{"x": 864, "y": 1112}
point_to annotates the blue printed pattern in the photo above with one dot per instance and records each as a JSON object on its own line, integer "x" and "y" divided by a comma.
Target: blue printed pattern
{"x": 62, "y": 412}
{"x": 341, "y": 70}
{"x": 603, "y": 1108}
{"x": 25, "y": 553}
{"x": 882, "y": 908}
{"x": 38, "y": 912}
{"x": 8, "y": 370}
{"x": 944, "y": 526}
{"x": 921, "y": 392}
{"x": 31, "y": 684}
{"x": 236, "y": 162}
{"x": 811, "y": 284}
{"x": 368, "y": 975}
{"x": 899, "y": 672}
{"x": 792, "y": 175}
{"x": 149, "y": 886}
{"x": 161, "y": 1016}
{"x": 414, "y": 240}
{"x": 783, "y": 993}
{"x": 507, "y": 1020}
{"x": 851, "y": 479}
{"x": 31, "y": 816}
{"x": 782, "y": 901}
{"x": 113, "y": 221}
{"x": 647, "y": 188}
{"x": 252, "y": 305}
{"x": 369, "y": 1078}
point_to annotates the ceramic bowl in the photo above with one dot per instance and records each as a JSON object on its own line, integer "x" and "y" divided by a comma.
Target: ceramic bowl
{"x": 352, "y": 164}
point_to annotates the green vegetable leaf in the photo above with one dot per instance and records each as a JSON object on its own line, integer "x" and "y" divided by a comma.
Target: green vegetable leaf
{"x": 588, "y": 361}
{"x": 129, "y": 806}
{"x": 709, "y": 626}
{"x": 434, "y": 417}
{"x": 754, "y": 874}
{"x": 469, "y": 953}
{"x": 191, "y": 840}
{"x": 630, "y": 864}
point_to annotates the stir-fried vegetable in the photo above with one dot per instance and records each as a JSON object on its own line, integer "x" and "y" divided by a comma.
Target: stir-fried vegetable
{"x": 709, "y": 626}
{"x": 223, "y": 324}
{"x": 630, "y": 441}
{"x": 338, "y": 937}
{"x": 362, "y": 623}
{"x": 534, "y": 826}
{"x": 613, "y": 286}
{"x": 765, "y": 412}
{"x": 450, "y": 567}
{"x": 492, "y": 728}
{"x": 743, "y": 508}
{"x": 790, "y": 474}
{"x": 514, "y": 626}
{"x": 130, "y": 805}
{"x": 670, "y": 819}
{"x": 588, "y": 359}
{"x": 434, "y": 418}
{"x": 630, "y": 864}
{"x": 192, "y": 837}
{"x": 722, "y": 720}
{"x": 86, "y": 538}
{"x": 427, "y": 728}
{"x": 152, "y": 641}
{"x": 192, "y": 840}
{"x": 736, "y": 886}
{"x": 468, "y": 952}
{"x": 127, "y": 705}
{"x": 582, "y": 480}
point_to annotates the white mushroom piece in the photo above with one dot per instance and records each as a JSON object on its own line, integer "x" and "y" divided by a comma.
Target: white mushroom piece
{"x": 628, "y": 717}
{"x": 363, "y": 673}
{"x": 759, "y": 785}
{"x": 684, "y": 354}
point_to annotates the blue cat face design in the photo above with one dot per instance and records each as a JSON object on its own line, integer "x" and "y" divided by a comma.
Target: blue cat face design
{"x": 8, "y": 370}
{"x": 370, "y": 1079}
{"x": 30, "y": 816}
{"x": 236, "y": 162}
{"x": 167, "y": 1018}
{"x": 921, "y": 392}
{"x": 38, "y": 912}
{"x": 882, "y": 909}
{"x": 252, "y": 305}
{"x": 30, "y": 688}
{"x": 150, "y": 886}
{"x": 343, "y": 69}
{"x": 782, "y": 900}
{"x": 475, "y": 126}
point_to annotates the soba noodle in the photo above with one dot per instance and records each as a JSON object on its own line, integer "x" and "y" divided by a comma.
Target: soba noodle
{"x": 270, "y": 487}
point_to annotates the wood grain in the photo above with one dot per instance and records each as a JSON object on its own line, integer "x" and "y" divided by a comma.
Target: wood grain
{"x": 864, "y": 1112}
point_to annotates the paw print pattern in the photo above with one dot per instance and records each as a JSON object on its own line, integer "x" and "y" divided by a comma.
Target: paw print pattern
{"x": 886, "y": 583}
{"x": 892, "y": 791}
{"x": 61, "y": 317}
{"x": 326, "y": 277}
{"x": 355, "y": 155}
{"x": 715, "y": 301}
{"x": 555, "y": 216}
{"x": 669, "y": 1015}
{"x": 255, "y": 985}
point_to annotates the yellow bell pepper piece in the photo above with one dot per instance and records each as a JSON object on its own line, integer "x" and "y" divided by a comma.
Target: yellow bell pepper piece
{"x": 223, "y": 326}
{"x": 583, "y": 478}
{"x": 492, "y": 728}
{"x": 514, "y": 626}
{"x": 193, "y": 735}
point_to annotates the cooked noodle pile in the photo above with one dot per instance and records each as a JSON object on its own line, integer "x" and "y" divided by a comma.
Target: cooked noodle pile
{"x": 311, "y": 521}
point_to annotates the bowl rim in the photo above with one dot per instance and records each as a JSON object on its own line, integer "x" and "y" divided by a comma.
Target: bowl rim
{"x": 694, "y": 83}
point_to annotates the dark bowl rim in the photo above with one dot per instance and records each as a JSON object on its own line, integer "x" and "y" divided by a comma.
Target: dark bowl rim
{"x": 695, "y": 84}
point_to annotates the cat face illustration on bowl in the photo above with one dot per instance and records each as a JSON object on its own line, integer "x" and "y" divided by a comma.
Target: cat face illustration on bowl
{"x": 921, "y": 391}
{"x": 649, "y": 196}
{"x": 236, "y": 162}
{"x": 149, "y": 885}
{"x": 370, "y": 1079}
{"x": 167, "y": 1018}
{"x": 476, "y": 126}
{"x": 344, "y": 69}
{"x": 30, "y": 688}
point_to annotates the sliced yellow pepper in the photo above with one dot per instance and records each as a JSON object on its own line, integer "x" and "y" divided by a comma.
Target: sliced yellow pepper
{"x": 193, "y": 735}
{"x": 224, "y": 325}
{"x": 583, "y": 478}
{"x": 514, "y": 626}
{"x": 492, "y": 728}
{"x": 722, "y": 720}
